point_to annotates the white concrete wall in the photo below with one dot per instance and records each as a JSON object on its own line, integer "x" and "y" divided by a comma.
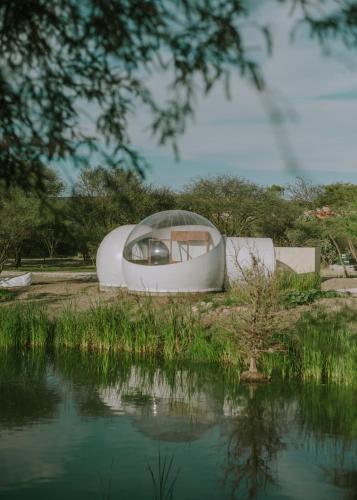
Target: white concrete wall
{"x": 240, "y": 253}
{"x": 299, "y": 259}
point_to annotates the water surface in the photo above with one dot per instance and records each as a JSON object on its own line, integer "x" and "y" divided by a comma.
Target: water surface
{"x": 86, "y": 426}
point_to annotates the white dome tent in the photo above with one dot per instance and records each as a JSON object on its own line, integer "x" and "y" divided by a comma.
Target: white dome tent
{"x": 174, "y": 251}
{"x": 177, "y": 251}
{"x": 109, "y": 258}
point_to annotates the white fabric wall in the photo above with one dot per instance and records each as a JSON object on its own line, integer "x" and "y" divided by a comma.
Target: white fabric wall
{"x": 240, "y": 253}
{"x": 201, "y": 274}
{"x": 110, "y": 256}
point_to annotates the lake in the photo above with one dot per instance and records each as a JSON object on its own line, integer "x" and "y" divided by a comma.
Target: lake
{"x": 83, "y": 426}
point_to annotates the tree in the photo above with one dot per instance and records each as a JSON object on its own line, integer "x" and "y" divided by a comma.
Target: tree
{"x": 106, "y": 198}
{"x": 232, "y": 203}
{"x": 304, "y": 193}
{"x": 255, "y": 440}
{"x": 337, "y": 195}
{"x": 256, "y": 326}
{"x": 19, "y": 215}
{"x": 65, "y": 61}
{"x": 239, "y": 207}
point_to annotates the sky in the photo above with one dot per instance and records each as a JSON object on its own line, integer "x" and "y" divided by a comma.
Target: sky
{"x": 236, "y": 136}
{"x": 316, "y": 93}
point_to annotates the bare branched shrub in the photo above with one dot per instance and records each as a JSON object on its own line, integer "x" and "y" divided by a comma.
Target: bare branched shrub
{"x": 256, "y": 325}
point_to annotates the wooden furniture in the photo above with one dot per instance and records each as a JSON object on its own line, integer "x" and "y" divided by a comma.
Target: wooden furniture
{"x": 190, "y": 237}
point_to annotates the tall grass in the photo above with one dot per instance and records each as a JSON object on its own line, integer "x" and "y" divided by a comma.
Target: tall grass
{"x": 289, "y": 281}
{"x": 163, "y": 477}
{"x": 172, "y": 333}
{"x": 6, "y": 295}
{"x": 321, "y": 346}
{"x": 24, "y": 326}
{"x": 325, "y": 346}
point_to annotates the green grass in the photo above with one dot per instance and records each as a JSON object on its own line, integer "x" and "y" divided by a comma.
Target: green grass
{"x": 288, "y": 281}
{"x": 326, "y": 346}
{"x": 301, "y": 289}
{"x": 6, "y": 295}
{"x": 23, "y": 325}
{"x": 293, "y": 298}
{"x": 321, "y": 346}
{"x": 172, "y": 333}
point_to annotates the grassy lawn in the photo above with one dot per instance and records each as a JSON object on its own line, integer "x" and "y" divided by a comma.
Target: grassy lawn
{"x": 52, "y": 265}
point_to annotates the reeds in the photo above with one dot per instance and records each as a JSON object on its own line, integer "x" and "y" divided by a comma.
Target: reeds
{"x": 172, "y": 333}
{"x": 23, "y": 325}
{"x": 321, "y": 346}
{"x": 325, "y": 346}
{"x": 163, "y": 477}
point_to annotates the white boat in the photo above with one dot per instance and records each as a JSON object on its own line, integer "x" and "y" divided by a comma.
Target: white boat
{"x": 16, "y": 281}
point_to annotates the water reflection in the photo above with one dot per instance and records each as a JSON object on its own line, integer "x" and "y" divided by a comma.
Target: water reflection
{"x": 164, "y": 409}
{"x": 26, "y": 394}
{"x": 61, "y": 412}
{"x": 254, "y": 440}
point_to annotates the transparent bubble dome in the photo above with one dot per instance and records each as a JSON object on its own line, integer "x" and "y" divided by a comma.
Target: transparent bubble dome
{"x": 171, "y": 237}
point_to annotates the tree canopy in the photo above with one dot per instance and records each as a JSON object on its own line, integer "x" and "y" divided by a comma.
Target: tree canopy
{"x": 73, "y": 72}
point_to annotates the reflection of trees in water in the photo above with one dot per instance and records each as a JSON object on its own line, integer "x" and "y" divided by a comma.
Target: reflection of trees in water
{"x": 345, "y": 479}
{"x": 25, "y": 394}
{"x": 327, "y": 418}
{"x": 180, "y": 403}
{"x": 255, "y": 438}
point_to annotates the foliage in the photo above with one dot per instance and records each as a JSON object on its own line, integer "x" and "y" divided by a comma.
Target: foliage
{"x": 256, "y": 325}
{"x": 298, "y": 298}
{"x": 288, "y": 281}
{"x": 6, "y": 295}
{"x": 77, "y": 60}
{"x": 24, "y": 326}
{"x": 237, "y": 206}
{"x": 64, "y": 61}
{"x": 106, "y": 198}
{"x": 325, "y": 346}
{"x": 321, "y": 346}
{"x": 19, "y": 215}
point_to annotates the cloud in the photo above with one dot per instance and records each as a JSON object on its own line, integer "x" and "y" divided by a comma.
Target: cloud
{"x": 343, "y": 95}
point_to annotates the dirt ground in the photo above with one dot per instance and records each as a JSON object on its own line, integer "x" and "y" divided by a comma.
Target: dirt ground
{"x": 339, "y": 283}
{"x": 58, "y": 290}
{"x": 80, "y": 290}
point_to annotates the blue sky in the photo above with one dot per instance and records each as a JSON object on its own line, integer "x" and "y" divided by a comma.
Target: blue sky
{"x": 317, "y": 95}
{"x": 236, "y": 137}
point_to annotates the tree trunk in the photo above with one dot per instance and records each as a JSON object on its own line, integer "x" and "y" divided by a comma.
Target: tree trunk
{"x": 252, "y": 375}
{"x": 17, "y": 258}
{"x": 340, "y": 256}
{"x": 253, "y": 365}
{"x": 352, "y": 250}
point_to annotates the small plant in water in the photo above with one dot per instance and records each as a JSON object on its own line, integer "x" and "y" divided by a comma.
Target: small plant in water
{"x": 164, "y": 477}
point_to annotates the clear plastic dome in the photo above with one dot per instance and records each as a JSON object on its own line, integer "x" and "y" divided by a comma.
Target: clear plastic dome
{"x": 170, "y": 237}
